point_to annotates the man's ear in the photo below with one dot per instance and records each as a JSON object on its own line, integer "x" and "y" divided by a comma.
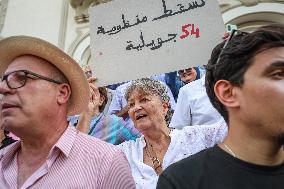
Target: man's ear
{"x": 227, "y": 93}
{"x": 64, "y": 93}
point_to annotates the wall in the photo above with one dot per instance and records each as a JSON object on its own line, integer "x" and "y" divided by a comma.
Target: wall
{"x": 35, "y": 18}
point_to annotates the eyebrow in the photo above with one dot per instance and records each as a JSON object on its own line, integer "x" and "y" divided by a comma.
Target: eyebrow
{"x": 276, "y": 64}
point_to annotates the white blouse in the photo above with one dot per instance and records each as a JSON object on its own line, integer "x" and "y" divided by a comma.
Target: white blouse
{"x": 184, "y": 143}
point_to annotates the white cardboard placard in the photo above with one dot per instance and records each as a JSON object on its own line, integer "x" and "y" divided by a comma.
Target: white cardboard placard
{"x": 131, "y": 39}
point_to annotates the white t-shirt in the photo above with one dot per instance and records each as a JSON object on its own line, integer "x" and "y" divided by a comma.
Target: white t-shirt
{"x": 184, "y": 143}
{"x": 194, "y": 107}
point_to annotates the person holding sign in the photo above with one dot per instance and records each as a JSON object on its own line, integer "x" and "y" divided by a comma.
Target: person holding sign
{"x": 109, "y": 128}
{"x": 160, "y": 146}
{"x": 245, "y": 83}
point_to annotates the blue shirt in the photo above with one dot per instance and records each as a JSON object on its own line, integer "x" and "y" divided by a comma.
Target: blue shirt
{"x": 109, "y": 128}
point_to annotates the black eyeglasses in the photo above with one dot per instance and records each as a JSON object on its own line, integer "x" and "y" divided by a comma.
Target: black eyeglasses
{"x": 18, "y": 79}
{"x": 233, "y": 33}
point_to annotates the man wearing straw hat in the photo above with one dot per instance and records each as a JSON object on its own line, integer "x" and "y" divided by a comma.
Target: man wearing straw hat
{"x": 40, "y": 86}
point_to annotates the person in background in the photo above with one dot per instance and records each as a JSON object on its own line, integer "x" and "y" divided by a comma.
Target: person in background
{"x": 94, "y": 122}
{"x": 245, "y": 83}
{"x": 5, "y": 139}
{"x": 40, "y": 85}
{"x": 194, "y": 107}
{"x": 159, "y": 147}
{"x": 176, "y": 80}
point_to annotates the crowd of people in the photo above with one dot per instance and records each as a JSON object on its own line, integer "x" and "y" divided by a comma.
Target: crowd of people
{"x": 215, "y": 126}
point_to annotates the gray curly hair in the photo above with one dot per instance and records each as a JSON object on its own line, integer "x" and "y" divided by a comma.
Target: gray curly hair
{"x": 153, "y": 87}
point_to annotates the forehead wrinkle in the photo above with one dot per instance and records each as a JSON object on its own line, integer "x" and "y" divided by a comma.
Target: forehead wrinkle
{"x": 38, "y": 65}
{"x": 31, "y": 63}
{"x": 143, "y": 93}
{"x": 150, "y": 86}
{"x": 140, "y": 92}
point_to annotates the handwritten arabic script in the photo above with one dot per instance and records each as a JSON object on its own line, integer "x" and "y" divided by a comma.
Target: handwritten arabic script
{"x": 168, "y": 12}
{"x": 125, "y": 25}
{"x": 153, "y": 45}
{"x": 139, "y": 38}
{"x": 156, "y": 44}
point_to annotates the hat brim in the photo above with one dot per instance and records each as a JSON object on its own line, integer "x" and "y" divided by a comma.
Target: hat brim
{"x": 15, "y": 46}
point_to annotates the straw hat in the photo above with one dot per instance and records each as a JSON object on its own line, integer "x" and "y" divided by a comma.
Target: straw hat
{"x": 13, "y": 47}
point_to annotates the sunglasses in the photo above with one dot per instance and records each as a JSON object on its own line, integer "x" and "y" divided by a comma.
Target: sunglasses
{"x": 180, "y": 72}
{"x": 233, "y": 33}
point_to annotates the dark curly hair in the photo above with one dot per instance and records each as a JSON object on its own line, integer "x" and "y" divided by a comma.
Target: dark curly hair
{"x": 231, "y": 63}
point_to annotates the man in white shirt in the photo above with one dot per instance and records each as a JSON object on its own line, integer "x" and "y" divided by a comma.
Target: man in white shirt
{"x": 193, "y": 106}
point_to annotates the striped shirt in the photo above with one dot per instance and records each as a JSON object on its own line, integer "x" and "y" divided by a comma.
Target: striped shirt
{"x": 75, "y": 161}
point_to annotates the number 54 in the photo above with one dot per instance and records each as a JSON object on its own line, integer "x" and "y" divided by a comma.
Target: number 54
{"x": 193, "y": 31}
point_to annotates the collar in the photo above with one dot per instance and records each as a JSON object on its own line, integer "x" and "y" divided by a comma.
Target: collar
{"x": 143, "y": 140}
{"x": 66, "y": 141}
{"x": 64, "y": 144}
{"x": 203, "y": 80}
{"x": 7, "y": 154}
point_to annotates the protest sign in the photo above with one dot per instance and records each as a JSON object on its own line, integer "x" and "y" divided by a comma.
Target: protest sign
{"x": 131, "y": 39}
